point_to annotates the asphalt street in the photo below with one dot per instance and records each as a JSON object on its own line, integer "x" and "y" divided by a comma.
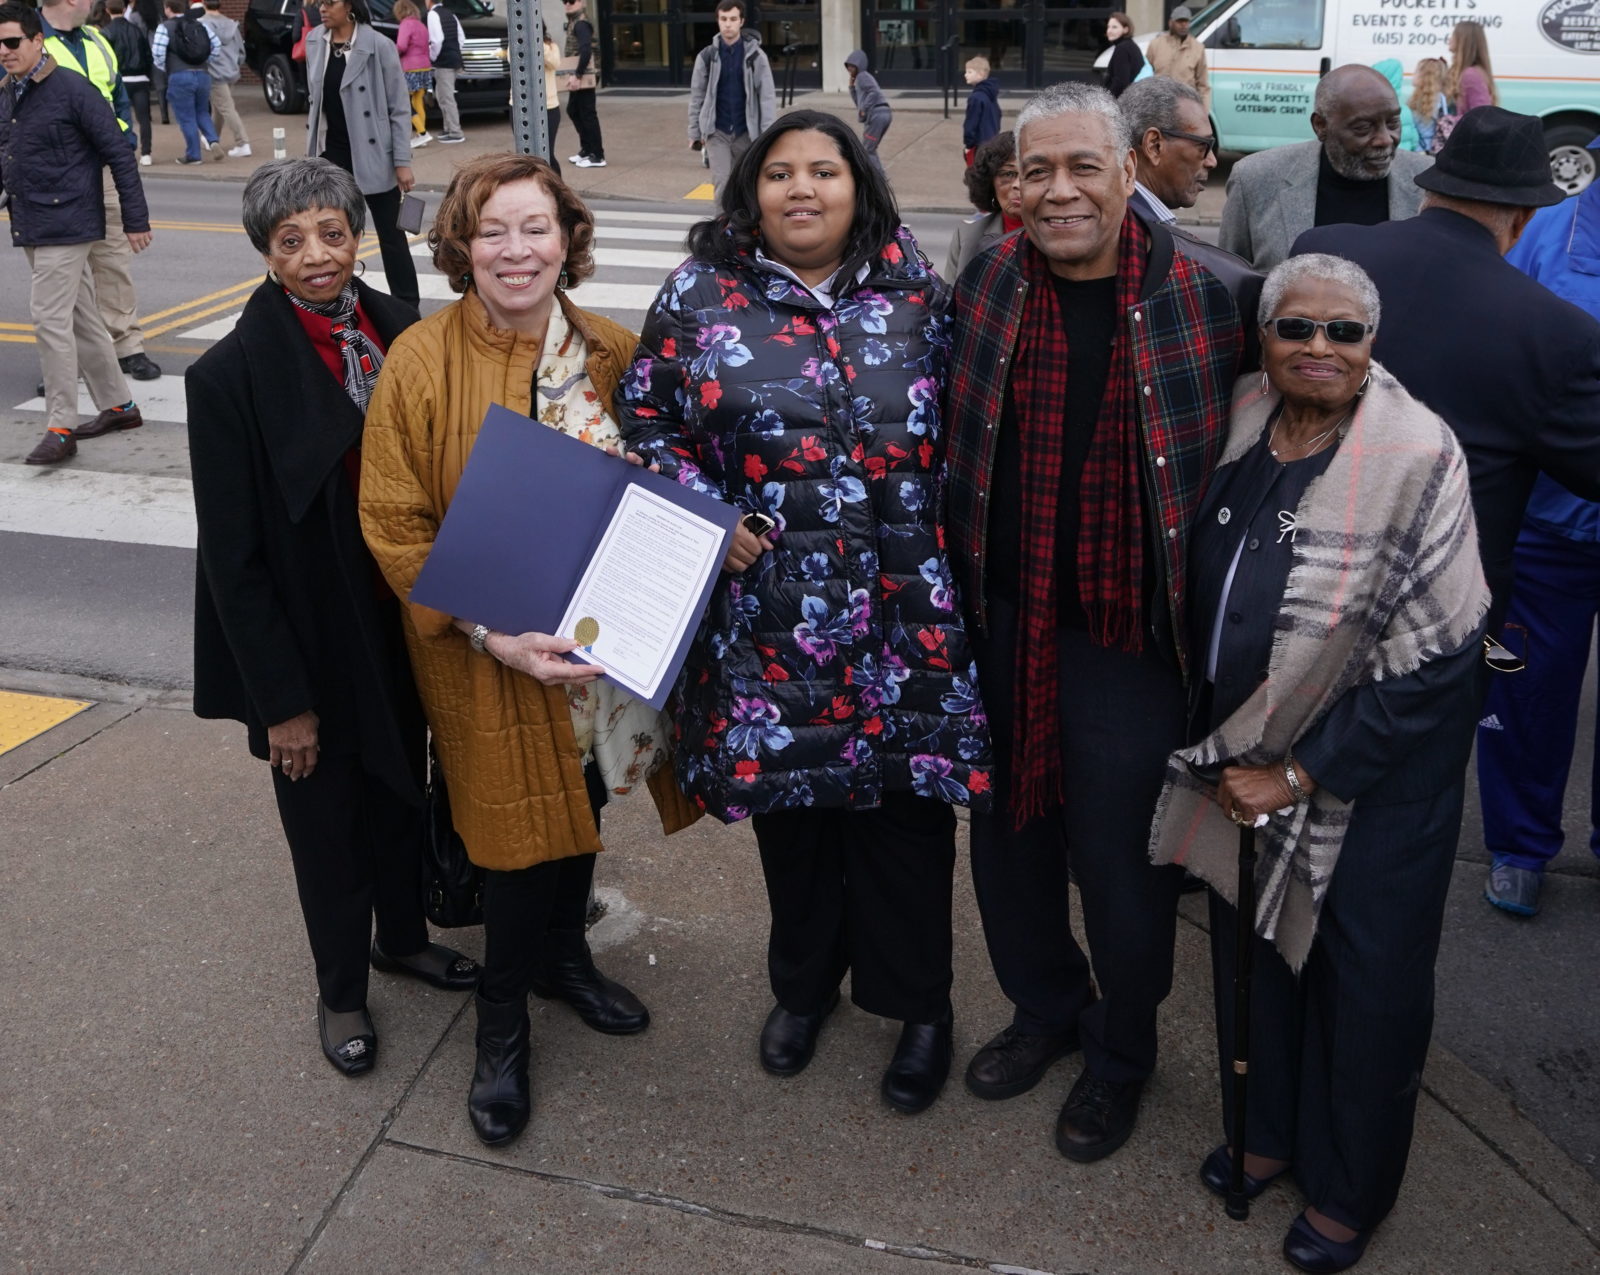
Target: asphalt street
{"x": 96, "y": 581}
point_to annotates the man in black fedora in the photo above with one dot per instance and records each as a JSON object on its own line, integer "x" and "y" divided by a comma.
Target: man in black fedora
{"x": 1511, "y": 367}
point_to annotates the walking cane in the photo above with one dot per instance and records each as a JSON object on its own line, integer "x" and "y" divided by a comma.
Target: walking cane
{"x": 1236, "y": 1202}
{"x": 1244, "y": 932}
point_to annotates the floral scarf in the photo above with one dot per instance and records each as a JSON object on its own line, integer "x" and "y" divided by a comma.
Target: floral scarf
{"x": 627, "y": 738}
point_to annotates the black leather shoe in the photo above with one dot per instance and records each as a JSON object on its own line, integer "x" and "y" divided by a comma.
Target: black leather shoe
{"x": 1309, "y": 1249}
{"x": 920, "y": 1066}
{"x": 1015, "y": 1061}
{"x": 354, "y": 1054}
{"x": 569, "y": 975}
{"x": 442, "y": 967}
{"x": 140, "y": 366}
{"x": 499, "y": 1101}
{"x": 1097, "y": 1117}
{"x": 788, "y": 1040}
{"x": 1216, "y": 1171}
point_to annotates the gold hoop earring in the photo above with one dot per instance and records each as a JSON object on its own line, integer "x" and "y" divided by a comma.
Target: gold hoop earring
{"x": 1365, "y": 382}
{"x": 272, "y": 277}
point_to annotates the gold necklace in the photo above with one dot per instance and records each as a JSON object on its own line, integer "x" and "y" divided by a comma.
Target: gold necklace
{"x": 1306, "y": 448}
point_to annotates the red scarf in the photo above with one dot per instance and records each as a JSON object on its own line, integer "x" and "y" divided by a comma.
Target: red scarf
{"x": 1111, "y": 544}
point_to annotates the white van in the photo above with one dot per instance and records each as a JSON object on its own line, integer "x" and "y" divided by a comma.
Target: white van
{"x": 1265, "y": 57}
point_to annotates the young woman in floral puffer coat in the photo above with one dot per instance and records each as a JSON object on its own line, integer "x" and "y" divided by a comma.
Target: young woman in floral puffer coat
{"x": 793, "y": 367}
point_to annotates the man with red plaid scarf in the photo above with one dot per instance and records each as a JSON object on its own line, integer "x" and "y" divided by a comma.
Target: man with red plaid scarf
{"x": 1094, "y": 364}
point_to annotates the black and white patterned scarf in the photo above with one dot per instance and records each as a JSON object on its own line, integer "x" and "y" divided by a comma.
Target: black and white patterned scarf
{"x": 362, "y": 357}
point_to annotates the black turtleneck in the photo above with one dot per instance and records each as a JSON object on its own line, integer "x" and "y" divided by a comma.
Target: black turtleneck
{"x": 1347, "y": 201}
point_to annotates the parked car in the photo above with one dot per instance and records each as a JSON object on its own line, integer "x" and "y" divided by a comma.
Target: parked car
{"x": 272, "y": 48}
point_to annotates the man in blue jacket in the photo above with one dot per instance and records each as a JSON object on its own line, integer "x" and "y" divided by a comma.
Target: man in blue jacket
{"x": 1530, "y": 724}
{"x": 56, "y": 134}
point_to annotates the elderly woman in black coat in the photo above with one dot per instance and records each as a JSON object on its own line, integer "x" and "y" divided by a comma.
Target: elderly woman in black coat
{"x": 295, "y": 634}
{"x": 1336, "y": 609}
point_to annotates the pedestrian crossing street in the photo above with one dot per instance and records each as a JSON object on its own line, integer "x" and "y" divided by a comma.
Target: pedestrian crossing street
{"x": 634, "y": 251}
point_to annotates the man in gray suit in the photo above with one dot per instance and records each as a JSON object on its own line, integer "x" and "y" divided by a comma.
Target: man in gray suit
{"x": 1353, "y": 173}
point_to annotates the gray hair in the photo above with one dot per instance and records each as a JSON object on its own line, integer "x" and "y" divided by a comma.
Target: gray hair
{"x": 1155, "y": 103}
{"x": 283, "y": 187}
{"x": 1324, "y": 268}
{"x": 1070, "y": 97}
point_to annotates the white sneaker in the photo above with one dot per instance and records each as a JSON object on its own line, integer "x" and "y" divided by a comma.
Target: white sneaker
{"x": 241, "y": 151}
{"x": 422, "y": 139}
{"x": 583, "y": 161}
{"x": 575, "y": 159}
{"x": 144, "y": 161}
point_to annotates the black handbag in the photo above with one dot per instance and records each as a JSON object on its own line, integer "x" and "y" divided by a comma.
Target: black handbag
{"x": 453, "y": 885}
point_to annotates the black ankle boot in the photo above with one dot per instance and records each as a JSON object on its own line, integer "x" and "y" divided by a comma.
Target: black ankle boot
{"x": 499, "y": 1101}
{"x": 569, "y": 974}
{"x": 920, "y": 1066}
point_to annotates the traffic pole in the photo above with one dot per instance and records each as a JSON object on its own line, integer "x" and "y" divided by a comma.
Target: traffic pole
{"x": 525, "y": 40}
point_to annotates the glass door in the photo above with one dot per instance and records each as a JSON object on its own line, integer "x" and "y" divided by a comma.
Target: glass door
{"x": 639, "y": 41}
{"x": 1029, "y": 43}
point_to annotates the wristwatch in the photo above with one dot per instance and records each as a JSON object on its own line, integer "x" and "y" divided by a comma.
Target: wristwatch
{"x": 478, "y": 636}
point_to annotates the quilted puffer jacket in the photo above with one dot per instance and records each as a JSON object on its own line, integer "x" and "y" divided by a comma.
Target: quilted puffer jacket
{"x": 505, "y": 741}
{"x": 836, "y": 668}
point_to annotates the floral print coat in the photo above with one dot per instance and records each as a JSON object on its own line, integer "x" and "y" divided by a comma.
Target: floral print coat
{"x": 836, "y": 668}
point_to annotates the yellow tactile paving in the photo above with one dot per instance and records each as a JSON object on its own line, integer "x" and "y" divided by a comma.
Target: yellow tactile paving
{"x": 22, "y": 717}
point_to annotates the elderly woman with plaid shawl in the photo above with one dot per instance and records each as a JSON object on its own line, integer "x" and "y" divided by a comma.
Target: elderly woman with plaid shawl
{"x": 1336, "y": 616}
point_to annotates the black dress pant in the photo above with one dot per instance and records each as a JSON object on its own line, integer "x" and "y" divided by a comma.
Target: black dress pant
{"x": 866, "y": 891}
{"x": 552, "y": 126}
{"x": 357, "y": 850}
{"x": 1337, "y": 1054}
{"x": 398, "y": 267}
{"x": 139, "y": 99}
{"x": 1121, "y": 715}
{"x": 586, "y": 119}
{"x": 523, "y": 907}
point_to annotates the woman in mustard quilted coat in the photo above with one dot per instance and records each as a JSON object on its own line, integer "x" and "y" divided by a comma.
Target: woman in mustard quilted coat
{"x": 519, "y": 730}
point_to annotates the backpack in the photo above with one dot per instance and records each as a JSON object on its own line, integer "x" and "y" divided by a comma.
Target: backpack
{"x": 190, "y": 41}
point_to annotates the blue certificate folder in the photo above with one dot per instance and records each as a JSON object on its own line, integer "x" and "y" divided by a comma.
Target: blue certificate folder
{"x": 526, "y": 519}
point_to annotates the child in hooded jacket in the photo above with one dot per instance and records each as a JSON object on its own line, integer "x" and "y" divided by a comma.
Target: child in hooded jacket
{"x": 872, "y": 108}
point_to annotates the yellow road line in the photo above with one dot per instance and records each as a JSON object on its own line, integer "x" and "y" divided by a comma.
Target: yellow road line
{"x": 705, "y": 190}
{"x": 186, "y": 313}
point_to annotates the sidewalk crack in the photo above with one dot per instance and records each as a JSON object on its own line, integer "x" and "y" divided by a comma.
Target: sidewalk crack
{"x": 748, "y": 1221}
{"x": 378, "y": 1140}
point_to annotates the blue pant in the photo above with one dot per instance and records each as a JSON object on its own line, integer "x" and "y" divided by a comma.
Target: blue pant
{"x": 189, "y": 95}
{"x": 1530, "y": 723}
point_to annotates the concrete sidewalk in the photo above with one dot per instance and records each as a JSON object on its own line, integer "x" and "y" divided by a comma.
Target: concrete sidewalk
{"x": 166, "y": 1109}
{"x": 647, "y": 150}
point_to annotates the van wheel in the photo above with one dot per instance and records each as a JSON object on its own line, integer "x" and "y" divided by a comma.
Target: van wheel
{"x": 1572, "y": 163}
{"x": 280, "y": 87}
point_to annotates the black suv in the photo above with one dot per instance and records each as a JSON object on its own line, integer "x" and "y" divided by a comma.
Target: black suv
{"x": 271, "y": 28}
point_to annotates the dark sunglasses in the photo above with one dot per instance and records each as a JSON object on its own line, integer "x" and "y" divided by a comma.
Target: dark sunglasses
{"x": 1207, "y": 144}
{"x": 14, "y": 42}
{"x": 1340, "y": 331}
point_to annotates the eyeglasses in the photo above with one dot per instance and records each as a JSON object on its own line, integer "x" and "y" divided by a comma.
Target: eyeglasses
{"x": 14, "y": 42}
{"x": 1207, "y": 144}
{"x": 1339, "y": 331}
{"x": 1007, "y": 175}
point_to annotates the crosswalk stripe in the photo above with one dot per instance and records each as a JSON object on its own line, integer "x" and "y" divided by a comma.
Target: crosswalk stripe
{"x": 87, "y": 504}
{"x": 604, "y": 219}
{"x": 159, "y": 400}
